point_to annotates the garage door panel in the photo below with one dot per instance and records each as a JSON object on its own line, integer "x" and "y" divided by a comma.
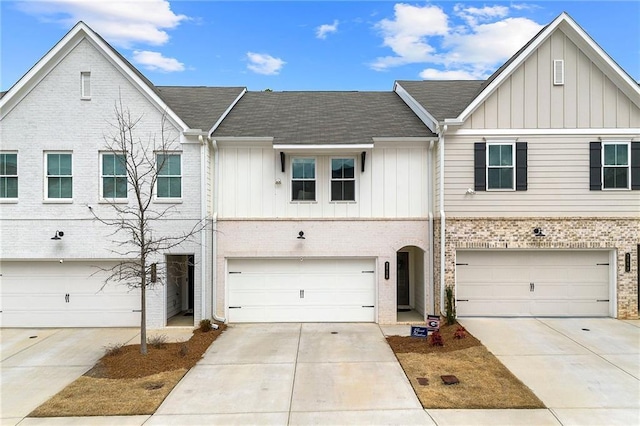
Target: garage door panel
{"x": 288, "y": 290}
{"x": 69, "y": 294}
{"x": 550, "y": 283}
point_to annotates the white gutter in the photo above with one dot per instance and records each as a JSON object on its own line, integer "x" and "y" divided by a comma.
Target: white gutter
{"x": 214, "y": 235}
{"x": 442, "y": 218}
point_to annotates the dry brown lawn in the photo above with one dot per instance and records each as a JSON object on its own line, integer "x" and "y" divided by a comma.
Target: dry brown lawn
{"x": 484, "y": 381}
{"x": 125, "y": 382}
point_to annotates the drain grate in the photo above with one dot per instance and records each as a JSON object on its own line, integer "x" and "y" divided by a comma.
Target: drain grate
{"x": 422, "y": 381}
{"x": 334, "y": 332}
{"x": 585, "y": 329}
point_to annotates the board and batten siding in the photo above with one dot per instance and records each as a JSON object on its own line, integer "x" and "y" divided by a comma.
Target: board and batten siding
{"x": 528, "y": 99}
{"x": 558, "y": 183}
{"x": 393, "y": 185}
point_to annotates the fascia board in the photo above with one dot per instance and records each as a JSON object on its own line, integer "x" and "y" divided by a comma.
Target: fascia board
{"x": 424, "y": 115}
{"x": 227, "y": 111}
{"x": 322, "y": 147}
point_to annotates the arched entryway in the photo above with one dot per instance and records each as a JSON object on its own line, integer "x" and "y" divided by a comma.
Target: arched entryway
{"x": 411, "y": 284}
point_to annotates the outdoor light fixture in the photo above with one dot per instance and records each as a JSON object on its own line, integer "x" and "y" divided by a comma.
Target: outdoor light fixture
{"x": 301, "y": 235}
{"x": 538, "y": 232}
{"x": 58, "y": 235}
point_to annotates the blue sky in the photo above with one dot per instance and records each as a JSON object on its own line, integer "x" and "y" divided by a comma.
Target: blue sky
{"x": 309, "y": 45}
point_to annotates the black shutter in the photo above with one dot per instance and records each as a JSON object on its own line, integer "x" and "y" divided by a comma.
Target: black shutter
{"x": 635, "y": 165}
{"x": 480, "y": 166}
{"x": 521, "y": 166}
{"x": 595, "y": 166}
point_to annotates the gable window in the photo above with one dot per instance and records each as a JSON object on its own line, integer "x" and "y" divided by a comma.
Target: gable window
{"x": 303, "y": 179}
{"x": 114, "y": 176}
{"x": 500, "y": 166}
{"x": 85, "y": 85}
{"x": 59, "y": 176}
{"x": 169, "y": 184}
{"x": 8, "y": 175}
{"x": 614, "y": 165}
{"x": 343, "y": 181}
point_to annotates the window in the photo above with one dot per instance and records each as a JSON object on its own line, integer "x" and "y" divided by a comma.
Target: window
{"x": 59, "y": 178}
{"x": 114, "y": 176}
{"x": 615, "y": 166}
{"x": 343, "y": 181}
{"x": 85, "y": 85}
{"x": 500, "y": 166}
{"x": 8, "y": 175}
{"x": 169, "y": 183}
{"x": 494, "y": 166}
{"x": 303, "y": 179}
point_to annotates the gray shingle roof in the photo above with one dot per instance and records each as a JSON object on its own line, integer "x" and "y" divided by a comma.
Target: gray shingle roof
{"x": 199, "y": 107}
{"x": 322, "y": 117}
{"x": 443, "y": 99}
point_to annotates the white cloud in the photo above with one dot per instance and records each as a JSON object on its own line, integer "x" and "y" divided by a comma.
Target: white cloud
{"x": 154, "y": 61}
{"x": 122, "y": 23}
{"x": 261, "y": 63}
{"x": 470, "y": 43}
{"x": 324, "y": 29}
{"x": 407, "y": 34}
{"x": 434, "y": 74}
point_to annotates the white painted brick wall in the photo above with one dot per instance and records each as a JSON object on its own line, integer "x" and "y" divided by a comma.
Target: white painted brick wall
{"x": 53, "y": 117}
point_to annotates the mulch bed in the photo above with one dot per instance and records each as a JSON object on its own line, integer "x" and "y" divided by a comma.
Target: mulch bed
{"x": 401, "y": 344}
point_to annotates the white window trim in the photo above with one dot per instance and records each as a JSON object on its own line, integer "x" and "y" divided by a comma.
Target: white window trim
{"x": 628, "y": 166}
{"x": 168, "y": 200}
{"x": 46, "y": 179}
{"x": 12, "y": 200}
{"x": 315, "y": 179}
{"x": 513, "y": 166}
{"x": 104, "y": 199}
{"x": 84, "y": 77}
{"x": 355, "y": 181}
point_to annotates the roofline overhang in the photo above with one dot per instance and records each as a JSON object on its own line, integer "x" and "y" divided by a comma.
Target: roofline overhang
{"x": 322, "y": 147}
{"x": 415, "y": 106}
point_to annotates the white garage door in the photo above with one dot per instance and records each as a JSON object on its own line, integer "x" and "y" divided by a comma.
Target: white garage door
{"x": 311, "y": 290}
{"x": 53, "y": 294}
{"x": 532, "y": 283}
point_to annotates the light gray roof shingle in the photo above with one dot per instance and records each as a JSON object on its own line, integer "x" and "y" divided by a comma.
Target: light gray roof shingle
{"x": 200, "y": 107}
{"x": 443, "y": 99}
{"x": 322, "y": 117}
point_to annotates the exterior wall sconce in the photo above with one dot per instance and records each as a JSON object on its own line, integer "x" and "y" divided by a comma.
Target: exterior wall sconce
{"x": 58, "y": 235}
{"x": 627, "y": 262}
{"x": 386, "y": 270}
{"x": 300, "y": 235}
{"x": 282, "y": 160}
{"x": 363, "y": 157}
{"x": 538, "y": 232}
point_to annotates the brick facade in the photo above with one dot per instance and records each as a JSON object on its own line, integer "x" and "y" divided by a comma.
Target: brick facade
{"x": 621, "y": 235}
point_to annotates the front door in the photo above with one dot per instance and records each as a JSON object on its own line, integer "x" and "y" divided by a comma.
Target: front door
{"x": 403, "y": 278}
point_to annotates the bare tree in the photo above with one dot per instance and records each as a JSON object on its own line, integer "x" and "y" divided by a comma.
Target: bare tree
{"x": 142, "y": 160}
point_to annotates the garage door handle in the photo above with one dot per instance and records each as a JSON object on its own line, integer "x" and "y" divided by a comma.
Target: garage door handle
{"x": 532, "y": 287}
{"x": 235, "y": 307}
{"x": 602, "y": 300}
{"x": 66, "y": 298}
{"x": 462, "y": 300}
{"x": 368, "y": 306}
{"x": 301, "y": 294}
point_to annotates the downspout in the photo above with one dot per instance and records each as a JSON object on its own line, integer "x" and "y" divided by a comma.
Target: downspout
{"x": 432, "y": 305}
{"x": 203, "y": 231}
{"x": 214, "y": 235}
{"x": 442, "y": 217}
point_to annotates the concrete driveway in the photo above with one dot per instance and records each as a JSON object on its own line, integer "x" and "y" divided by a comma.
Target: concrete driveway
{"x": 585, "y": 370}
{"x": 35, "y": 364}
{"x": 295, "y": 374}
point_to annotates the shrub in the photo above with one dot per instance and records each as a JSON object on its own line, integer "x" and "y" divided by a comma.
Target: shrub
{"x": 158, "y": 341}
{"x": 436, "y": 339}
{"x": 460, "y": 333}
{"x": 184, "y": 350}
{"x": 450, "y": 306}
{"x": 113, "y": 350}
{"x": 205, "y": 325}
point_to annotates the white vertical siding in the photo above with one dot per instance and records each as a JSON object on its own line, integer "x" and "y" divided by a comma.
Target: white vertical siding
{"x": 393, "y": 184}
{"x": 529, "y": 99}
